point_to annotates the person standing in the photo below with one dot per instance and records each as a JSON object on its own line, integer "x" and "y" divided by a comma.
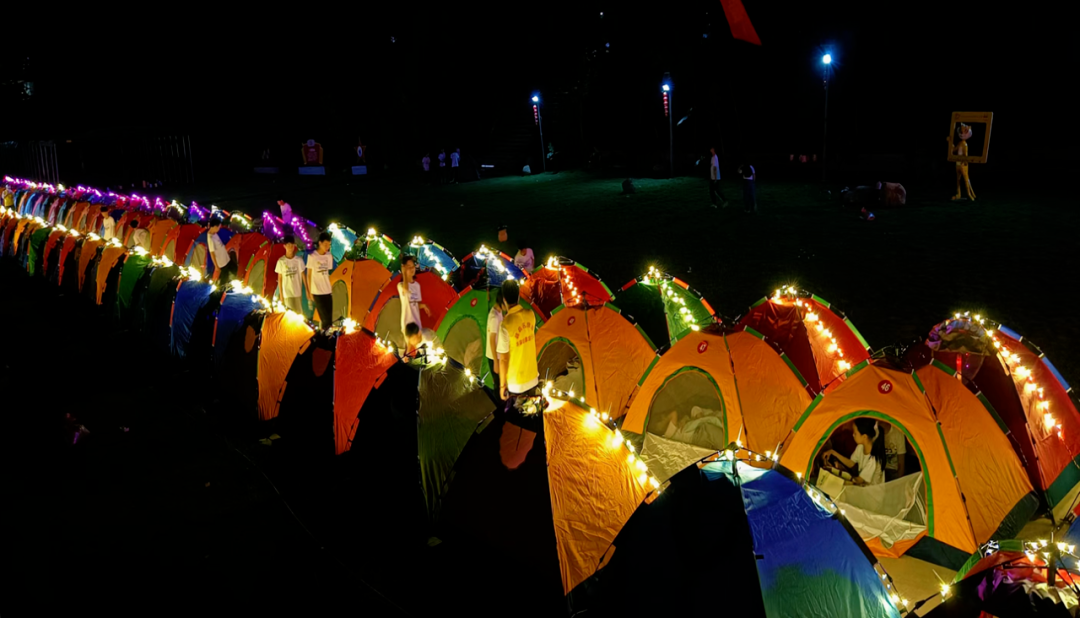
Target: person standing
{"x": 442, "y": 165}
{"x": 286, "y": 211}
{"x": 319, "y": 291}
{"x": 218, "y": 255}
{"x": 714, "y": 180}
{"x": 494, "y": 323}
{"x": 426, "y": 164}
{"x": 749, "y": 187}
{"x": 525, "y": 259}
{"x": 455, "y": 161}
{"x": 412, "y": 302}
{"x": 290, "y": 271}
{"x": 108, "y": 224}
{"x": 140, "y": 237}
{"x": 518, "y": 373}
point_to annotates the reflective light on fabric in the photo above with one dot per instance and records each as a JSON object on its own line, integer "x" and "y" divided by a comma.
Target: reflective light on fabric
{"x": 284, "y": 337}
{"x": 191, "y": 296}
{"x": 359, "y": 365}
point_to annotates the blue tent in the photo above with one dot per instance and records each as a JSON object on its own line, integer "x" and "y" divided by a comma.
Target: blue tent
{"x": 341, "y": 240}
{"x": 191, "y": 298}
{"x": 234, "y": 309}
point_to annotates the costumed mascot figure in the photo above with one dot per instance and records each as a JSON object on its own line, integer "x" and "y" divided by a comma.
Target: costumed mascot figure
{"x": 963, "y": 133}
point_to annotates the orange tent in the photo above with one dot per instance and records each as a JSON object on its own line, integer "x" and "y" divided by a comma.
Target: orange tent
{"x": 356, "y": 285}
{"x": 385, "y": 317}
{"x": 563, "y": 281}
{"x": 612, "y": 354}
{"x": 110, "y": 257}
{"x": 242, "y": 248}
{"x": 55, "y": 238}
{"x": 75, "y": 215}
{"x": 284, "y": 337}
{"x": 178, "y": 241}
{"x": 87, "y": 254}
{"x": 145, "y": 221}
{"x": 818, "y": 342}
{"x": 712, "y": 388}
{"x": 159, "y": 231}
{"x": 260, "y": 275}
{"x": 973, "y": 485}
{"x": 70, "y": 242}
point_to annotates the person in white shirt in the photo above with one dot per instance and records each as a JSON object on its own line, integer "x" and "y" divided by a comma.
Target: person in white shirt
{"x": 442, "y": 165}
{"x": 412, "y": 301}
{"x": 714, "y": 180}
{"x": 286, "y": 211}
{"x": 218, "y": 255}
{"x": 319, "y": 265}
{"x": 426, "y": 164}
{"x": 108, "y": 224}
{"x": 290, "y": 270}
{"x": 140, "y": 236}
{"x": 869, "y": 456}
{"x": 420, "y": 342}
{"x": 524, "y": 259}
{"x": 455, "y": 160}
{"x": 494, "y": 322}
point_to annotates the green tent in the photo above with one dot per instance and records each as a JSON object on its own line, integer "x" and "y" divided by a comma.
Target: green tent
{"x": 135, "y": 266}
{"x": 36, "y": 250}
{"x": 666, "y": 307}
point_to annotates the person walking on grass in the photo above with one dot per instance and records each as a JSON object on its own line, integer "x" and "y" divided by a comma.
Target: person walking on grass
{"x": 442, "y": 166}
{"x": 290, "y": 271}
{"x": 455, "y": 162}
{"x": 319, "y": 291}
{"x": 426, "y": 163}
{"x": 714, "y": 181}
{"x": 749, "y": 187}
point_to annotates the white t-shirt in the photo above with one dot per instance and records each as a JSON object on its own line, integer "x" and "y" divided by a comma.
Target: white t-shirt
{"x": 494, "y": 324}
{"x": 410, "y": 303}
{"x": 218, "y": 247}
{"x": 714, "y": 168}
{"x": 426, "y": 162}
{"x": 320, "y": 267}
{"x": 748, "y": 172}
{"x": 525, "y": 262}
{"x": 869, "y": 470}
{"x": 140, "y": 237}
{"x": 454, "y": 158}
{"x": 895, "y": 448}
{"x": 108, "y": 228}
{"x": 290, "y": 272}
{"x": 442, "y": 159}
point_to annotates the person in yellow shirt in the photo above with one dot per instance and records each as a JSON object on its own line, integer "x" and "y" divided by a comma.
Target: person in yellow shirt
{"x": 518, "y": 373}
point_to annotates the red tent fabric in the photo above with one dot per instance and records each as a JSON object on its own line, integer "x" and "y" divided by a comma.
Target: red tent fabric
{"x": 360, "y": 366}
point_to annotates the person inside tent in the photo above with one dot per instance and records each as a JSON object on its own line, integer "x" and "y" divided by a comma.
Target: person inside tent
{"x": 868, "y": 459}
{"x": 218, "y": 254}
{"x": 412, "y": 302}
{"x": 290, "y": 271}
{"x": 421, "y": 341}
{"x": 518, "y": 372}
{"x": 895, "y": 452}
{"x": 140, "y": 236}
{"x": 319, "y": 265}
{"x": 525, "y": 260}
{"x": 108, "y": 224}
{"x": 702, "y": 427}
{"x": 494, "y": 322}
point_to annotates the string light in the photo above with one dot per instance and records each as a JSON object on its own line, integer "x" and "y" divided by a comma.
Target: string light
{"x": 804, "y": 305}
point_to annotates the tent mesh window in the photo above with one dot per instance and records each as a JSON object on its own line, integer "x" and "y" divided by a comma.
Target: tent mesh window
{"x": 560, "y": 363}
{"x": 257, "y": 276}
{"x": 340, "y": 292}
{"x": 198, "y": 258}
{"x": 699, "y": 411}
{"x": 464, "y": 343}
{"x": 388, "y": 326}
{"x": 170, "y": 250}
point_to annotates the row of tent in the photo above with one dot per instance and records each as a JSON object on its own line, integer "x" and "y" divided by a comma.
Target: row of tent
{"x": 601, "y": 469}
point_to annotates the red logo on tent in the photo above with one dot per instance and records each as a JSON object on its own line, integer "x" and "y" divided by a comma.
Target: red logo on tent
{"x": 571, "y": 321}
{"x": 473, "y": 303}
{"x": 884, "y": 387}
{"x": 345, "y": 270}
{"x": 701, "y": 347}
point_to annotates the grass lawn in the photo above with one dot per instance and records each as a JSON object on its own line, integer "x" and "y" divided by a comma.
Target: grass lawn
{"x": 1004, "y": 255}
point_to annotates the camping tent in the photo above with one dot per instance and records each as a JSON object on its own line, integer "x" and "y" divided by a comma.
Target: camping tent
{"x": 242, "y": 248}
{"x": 36, "y": 250}
{"x": 781, "y": 550}
{"x": 88, "y": 254}
{"x": 432, "y": 256}
{"x": 487, "y": 268}
{"x": 562, "y": 281}
{"x": 159, "y": 231}
{"x": 190, "y": 323}
{"x": 260, "y": 274}
{"x": 198, "y": 257}
{"x": 51, "y": 251}
{"x": 712, "y": 388}
{"x": 178, "y": 241}
{"x": 363, "y": 367}
{"x": 236, "y": 352}
{"x": 970, "y": 486}
{"x": 385, "y": 317}
{"x": 107, "y": 275}
{"x": 342, "y": 239}
{"x": 665, "y": 307}
{"x": 1027, "y": 393}
{"x": 67, "y": 261}
{"x": 355, "y": 285}
{"x": 155, "y": 307}
{"x": 818, "y": 342}
{"x": 596, "y": 352}
{"x": 133, "y": 277}
{"x": 381, "y": 248}
{"x": 285, "y": 336}
{"x": 306, "y": 399}
{"x": 463, "y": 330}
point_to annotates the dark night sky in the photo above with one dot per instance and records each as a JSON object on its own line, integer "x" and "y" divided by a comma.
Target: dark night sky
{"x": 460, "y": 71}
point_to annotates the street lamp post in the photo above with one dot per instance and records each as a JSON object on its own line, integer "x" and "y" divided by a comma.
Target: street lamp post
{"x": 666, "y": 88}
{"x": 540, "y": 125}
{"x": 827, "y": 61}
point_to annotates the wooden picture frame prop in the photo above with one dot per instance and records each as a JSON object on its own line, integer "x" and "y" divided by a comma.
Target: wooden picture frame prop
{"x": 980, "y": 129}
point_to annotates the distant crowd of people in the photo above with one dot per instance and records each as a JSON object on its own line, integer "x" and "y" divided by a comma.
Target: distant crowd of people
{"x": 445, "y": 175}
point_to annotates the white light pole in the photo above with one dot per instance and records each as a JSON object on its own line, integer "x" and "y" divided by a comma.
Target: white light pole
{"x": 666, "y": 89}
{"x": 827, "y": 61}
{"x": 539, "y": 123}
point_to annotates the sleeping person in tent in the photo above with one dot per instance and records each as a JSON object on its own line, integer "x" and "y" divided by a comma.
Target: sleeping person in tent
{"x": 701, "y": 427}
{"x": 867, "y": 463}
